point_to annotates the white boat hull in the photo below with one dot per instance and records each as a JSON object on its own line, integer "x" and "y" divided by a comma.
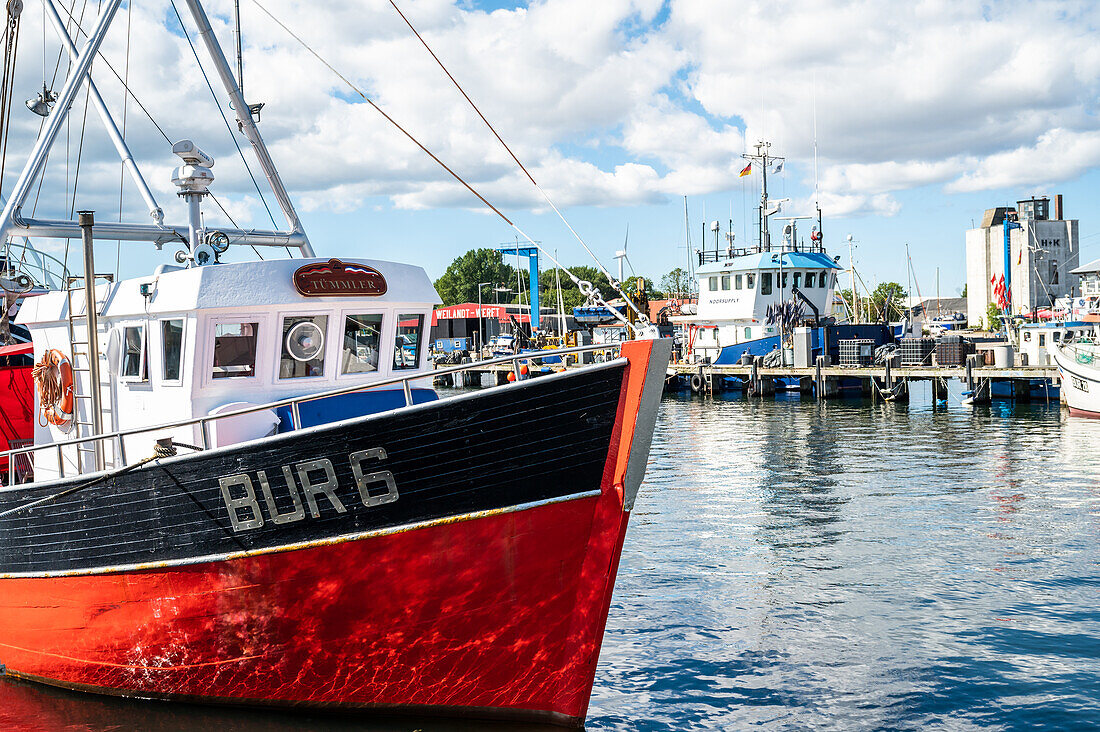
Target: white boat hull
{"x": 1080, "y": 381}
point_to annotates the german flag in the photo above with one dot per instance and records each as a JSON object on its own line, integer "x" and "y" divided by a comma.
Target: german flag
{"x": 745, "y": 171}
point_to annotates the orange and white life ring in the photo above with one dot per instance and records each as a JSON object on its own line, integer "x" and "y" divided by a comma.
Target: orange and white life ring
{"x": 53, "y": 377}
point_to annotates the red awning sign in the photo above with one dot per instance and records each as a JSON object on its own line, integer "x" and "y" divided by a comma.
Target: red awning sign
{"x": 472, "y": 310}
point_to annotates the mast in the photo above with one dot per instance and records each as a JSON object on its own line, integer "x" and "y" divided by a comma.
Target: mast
{"x": 852, "y": 279}
{"x": 762, "y": 158}
{"x": 687, "y": 244}
{"x": 14, "y": 223}
{"x": 246, "y": 124}
{"x": 240, "y": 56}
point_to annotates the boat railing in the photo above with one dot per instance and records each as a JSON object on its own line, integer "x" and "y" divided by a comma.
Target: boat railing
{"x": 47, "y": 271}
{"x": 24, "y": 454}
{"x": 723, "y": 255}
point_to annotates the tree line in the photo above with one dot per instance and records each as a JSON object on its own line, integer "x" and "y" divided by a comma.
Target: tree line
{"x": 498, "y": 281}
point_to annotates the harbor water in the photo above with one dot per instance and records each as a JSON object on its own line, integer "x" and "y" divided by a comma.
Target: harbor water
{"x": 836, "y": 565}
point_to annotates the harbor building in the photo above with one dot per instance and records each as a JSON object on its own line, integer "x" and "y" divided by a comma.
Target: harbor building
{"x": 1089, "y": 276}
{"x": 1034, "y": 251}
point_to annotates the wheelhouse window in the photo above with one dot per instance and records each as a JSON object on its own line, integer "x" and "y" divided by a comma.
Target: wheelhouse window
{"x": 798, "y": 279}
{"x": 725, "y": 282}
{"x": 765, "y": 283}
{"x": 712, "y": 283}
{"x": 362, "y": 344}
{"x": 406, "y": 346}
{"x": 750, "y": 280}
{"x": 134, "y": 365}
{"x": 171, "y": 342}
{"x": 810, "y": 280}
{"x": 783, "y": 283}
{"x": 737, "y": 281}
{"x": 303, "y": 346}
{"x": 235, "y": 350}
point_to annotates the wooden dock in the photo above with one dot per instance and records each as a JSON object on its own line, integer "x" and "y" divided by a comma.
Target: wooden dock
{"x": 889, "y": 381}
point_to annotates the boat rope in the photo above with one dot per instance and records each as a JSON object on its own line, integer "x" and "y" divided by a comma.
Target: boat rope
{"x": 892, "y": 393}
{"x": 164, "y": 448}
{"x": 614, "y": 283}
{"x": 240, "y": 152}
{"x": 586, "y": 288}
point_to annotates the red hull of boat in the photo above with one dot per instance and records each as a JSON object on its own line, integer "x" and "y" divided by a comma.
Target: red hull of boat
{"x": 503, "y": 613}
{"x": 16, "y": 410}
{"x": 493, "y": 614}
{"x": 1083, "y": 413}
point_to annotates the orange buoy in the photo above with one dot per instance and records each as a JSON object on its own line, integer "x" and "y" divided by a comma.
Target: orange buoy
{"x": 511, "y": 376}
{"x": 523, "y": 370}
{"x": 53, "y": 377}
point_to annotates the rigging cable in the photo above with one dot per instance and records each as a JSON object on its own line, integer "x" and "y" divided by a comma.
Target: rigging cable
{"x": 586, "y": 288}
{"x": 81, "y": 32}
{"x": 614, "y": 283}
{"x": 195, "y": 53}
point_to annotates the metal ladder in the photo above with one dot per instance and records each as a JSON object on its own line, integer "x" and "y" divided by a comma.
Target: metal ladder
{"x": 79, "y": 348}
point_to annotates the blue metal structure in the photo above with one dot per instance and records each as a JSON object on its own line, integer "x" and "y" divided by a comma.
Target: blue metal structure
{"x": 532, "y": 254}
{"x": 1009, "y": 226}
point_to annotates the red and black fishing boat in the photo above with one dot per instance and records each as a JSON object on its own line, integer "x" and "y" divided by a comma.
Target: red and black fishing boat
{"x": 243, "y": 488}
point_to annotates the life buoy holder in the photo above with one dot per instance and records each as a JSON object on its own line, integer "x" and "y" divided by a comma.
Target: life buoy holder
{"x": 53, "y": 377}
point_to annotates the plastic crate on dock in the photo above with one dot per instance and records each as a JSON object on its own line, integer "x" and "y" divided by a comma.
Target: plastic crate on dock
{"x": 916, "y": 351}
{"x": 857, "y": 352}
{"x": 952, "y": 351}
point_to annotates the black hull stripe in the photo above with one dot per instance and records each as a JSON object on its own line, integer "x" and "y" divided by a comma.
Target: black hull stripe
{"x": 540, "y": 439}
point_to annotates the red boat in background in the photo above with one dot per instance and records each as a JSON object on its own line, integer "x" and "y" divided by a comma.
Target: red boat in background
{"x": 16, "y": 401}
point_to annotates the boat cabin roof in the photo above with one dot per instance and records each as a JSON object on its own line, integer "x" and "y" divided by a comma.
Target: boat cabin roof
{"x": 770, "y": 260}
{"x": 225, "y": 286}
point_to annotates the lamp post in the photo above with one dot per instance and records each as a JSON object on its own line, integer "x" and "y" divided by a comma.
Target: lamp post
{"x": 480, "y": 318}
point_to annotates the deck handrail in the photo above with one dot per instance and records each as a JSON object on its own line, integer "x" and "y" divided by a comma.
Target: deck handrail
{"x": 294, "y": 404}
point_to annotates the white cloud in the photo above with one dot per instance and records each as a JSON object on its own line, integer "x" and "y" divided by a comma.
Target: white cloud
{"x": 1056, "y": 156}
{"x": 617, "y": 102}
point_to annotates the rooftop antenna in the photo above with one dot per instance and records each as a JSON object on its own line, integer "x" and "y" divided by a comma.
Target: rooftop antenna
{"x": 817, "y": 187}
{"x": 253, "y": 109}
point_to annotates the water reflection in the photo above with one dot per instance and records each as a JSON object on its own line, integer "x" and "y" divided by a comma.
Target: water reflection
{"x": 848, "y": 564}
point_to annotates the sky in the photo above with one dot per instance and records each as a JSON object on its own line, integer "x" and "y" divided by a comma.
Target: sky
{"x": 904, "y": 120}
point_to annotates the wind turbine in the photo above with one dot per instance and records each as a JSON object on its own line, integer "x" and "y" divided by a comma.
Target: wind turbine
{"x": 621, "y": 255}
